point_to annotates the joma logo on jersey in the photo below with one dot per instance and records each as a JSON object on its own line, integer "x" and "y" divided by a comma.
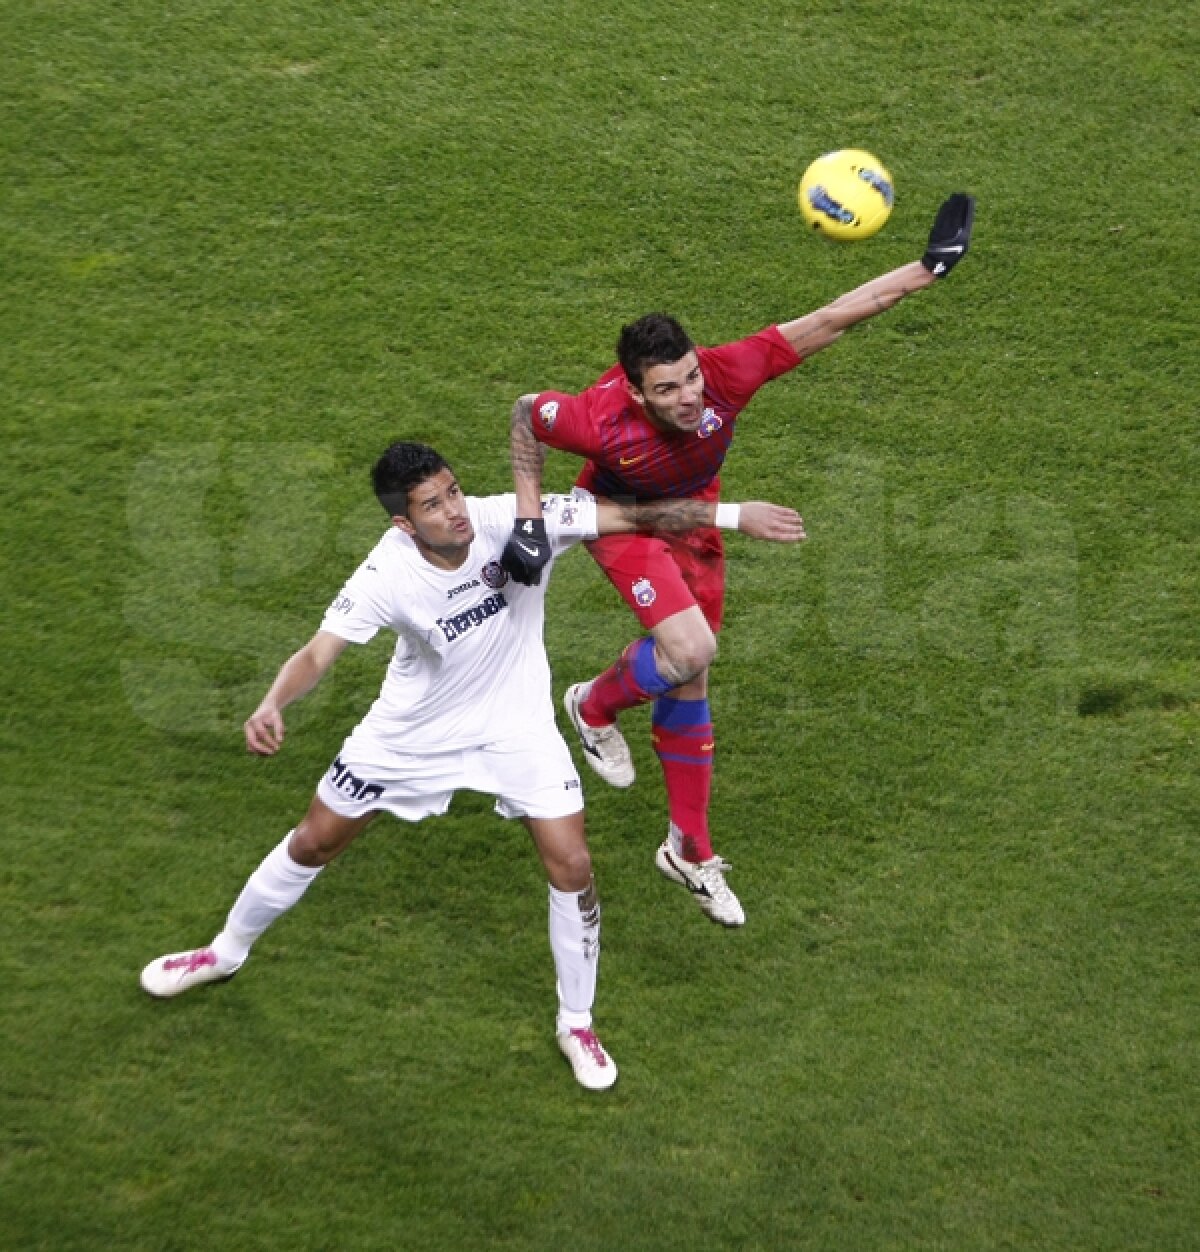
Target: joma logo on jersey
{"x": 460, "y": 623}
{"x": 350, "y": 784}
{"x": 457, "y": 591}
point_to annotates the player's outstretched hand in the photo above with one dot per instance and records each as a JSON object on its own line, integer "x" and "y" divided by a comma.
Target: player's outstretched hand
{"x": 527, "y": 552}
{"x": 951, "y": 234}
{"x": 771, "y": 521}
{"x": 264, "y": 731}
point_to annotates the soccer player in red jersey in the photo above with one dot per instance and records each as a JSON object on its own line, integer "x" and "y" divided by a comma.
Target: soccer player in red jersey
{"x": 658, "y": 425}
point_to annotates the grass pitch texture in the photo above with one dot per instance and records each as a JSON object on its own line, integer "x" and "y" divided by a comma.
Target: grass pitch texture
{"x": 245, "y": 246}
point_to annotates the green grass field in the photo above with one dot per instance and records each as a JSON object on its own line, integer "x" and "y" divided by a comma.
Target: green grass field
{"x": 246, "y": 246}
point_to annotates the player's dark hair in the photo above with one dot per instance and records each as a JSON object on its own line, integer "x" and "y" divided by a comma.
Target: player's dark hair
{"x": 401, "y": 468}
{"x": 655, "y": 339}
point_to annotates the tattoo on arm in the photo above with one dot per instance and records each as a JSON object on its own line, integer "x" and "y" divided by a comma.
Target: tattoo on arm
{"x": 813, "y": 333}
{"x": 667, "y": 515}
{"x": 528, "y": 456}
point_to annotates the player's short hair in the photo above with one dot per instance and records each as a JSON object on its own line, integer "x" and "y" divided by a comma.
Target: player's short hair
{"x": 401, "y": 468}
{"x": 655, "y": 339}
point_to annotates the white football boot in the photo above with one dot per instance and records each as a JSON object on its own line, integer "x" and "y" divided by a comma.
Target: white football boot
{"x": 177, "y": 972}
{"x": 594, "y": 1068}
{"x": 706, "y": 881}
{"x": 604, "y": 747}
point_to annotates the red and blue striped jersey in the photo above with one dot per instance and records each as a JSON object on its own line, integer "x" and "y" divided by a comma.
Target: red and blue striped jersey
{"x": 627, "y": 456}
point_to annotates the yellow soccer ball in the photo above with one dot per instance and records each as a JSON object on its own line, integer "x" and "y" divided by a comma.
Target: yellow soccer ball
{"x": 846, "y": 194}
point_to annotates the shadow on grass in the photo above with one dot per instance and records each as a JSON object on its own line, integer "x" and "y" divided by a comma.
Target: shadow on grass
{"x": 1116, "y": 699}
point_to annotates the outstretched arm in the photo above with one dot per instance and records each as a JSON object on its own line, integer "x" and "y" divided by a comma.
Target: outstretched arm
{"x": 948, "y": 243}
{"x": 755, "y": 517}
{"x": 818, "y": 330}
{"x": 298, "y": 675}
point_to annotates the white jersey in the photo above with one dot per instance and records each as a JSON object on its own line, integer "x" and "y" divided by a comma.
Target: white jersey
{"x": 470, "y": 666}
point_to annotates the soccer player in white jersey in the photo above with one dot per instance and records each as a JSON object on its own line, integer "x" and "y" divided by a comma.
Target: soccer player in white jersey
{"x": 466, "y": 704}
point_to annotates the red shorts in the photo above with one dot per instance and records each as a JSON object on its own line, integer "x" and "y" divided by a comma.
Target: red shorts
{"x": 659, "y": 576}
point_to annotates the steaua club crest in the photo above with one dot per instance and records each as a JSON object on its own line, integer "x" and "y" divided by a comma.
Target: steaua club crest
{"x": 644, "y": 593}
{"x": 710, "y": 423}
{"x": 493, "y": 573}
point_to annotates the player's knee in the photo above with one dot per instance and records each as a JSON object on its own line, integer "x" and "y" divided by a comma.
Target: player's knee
{"x": 687, "y": 658}
{"x": 314, "y": 844}
{"x": 303, "y": 849}
{"x": 572, "y": 870}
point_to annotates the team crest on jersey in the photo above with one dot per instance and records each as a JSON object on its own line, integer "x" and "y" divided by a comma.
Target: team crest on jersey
{"x": 548, "y": 414}
{"x": 644, "y": 593}
{"x": 493, "y": 573}
{"x": 710, "y": 423}
{"x": 567, "y": 506}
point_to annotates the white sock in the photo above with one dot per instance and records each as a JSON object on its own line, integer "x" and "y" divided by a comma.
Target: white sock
{"x": 269, "y": 892}
{"x": 575, "y": 944}
{"x": 675, "y": 838}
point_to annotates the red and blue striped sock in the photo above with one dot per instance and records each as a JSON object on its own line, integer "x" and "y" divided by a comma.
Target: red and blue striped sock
{"x": 683, "y": 740}
{"x": 634, "y": 679}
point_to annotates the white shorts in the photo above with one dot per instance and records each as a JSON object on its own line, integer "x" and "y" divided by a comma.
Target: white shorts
{"x": 531, "y": 775}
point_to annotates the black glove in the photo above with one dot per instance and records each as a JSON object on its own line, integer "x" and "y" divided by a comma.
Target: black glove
{"x": 951, "y": 234}
{"x": 527, "y": 551}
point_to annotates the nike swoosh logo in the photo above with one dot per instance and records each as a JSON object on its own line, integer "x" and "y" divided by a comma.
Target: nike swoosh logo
{"x": 706, "y": 747}
{"x": 632, "y": 460}
{"x": 953, "y": 247}
{"x": 526, "y": 548}
{"x": 700, "y": 890}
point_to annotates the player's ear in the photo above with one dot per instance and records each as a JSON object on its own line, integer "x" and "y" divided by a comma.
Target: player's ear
{"x": 402, "y": 523}
{"x": 638, "y": 397}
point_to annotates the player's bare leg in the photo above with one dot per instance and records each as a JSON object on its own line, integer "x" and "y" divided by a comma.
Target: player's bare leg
{"x": 684, "y": 647}
{"x": 574, "y": 943}
{"x": 561, "y": 843}
{"x": 278, "y": 883}
{"x": 324, "y": 835}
